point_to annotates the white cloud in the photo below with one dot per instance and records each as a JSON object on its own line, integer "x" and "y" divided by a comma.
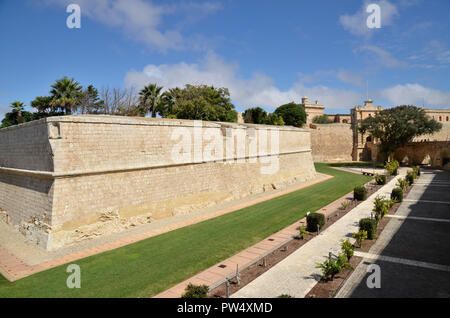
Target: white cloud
{"x": 415, "y": 94}
{"x": 382, "y": 57}
{"x": 141, "y": 20}
{"x": 258, "y": 90}
{"x": 350, "y": 78}
{"x": 356, "y": 23}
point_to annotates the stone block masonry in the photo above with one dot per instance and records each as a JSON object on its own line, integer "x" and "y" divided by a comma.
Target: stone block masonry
{"x": 67, "y": 179}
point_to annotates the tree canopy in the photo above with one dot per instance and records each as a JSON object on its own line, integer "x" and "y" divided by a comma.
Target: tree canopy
{"x": 199, "y": 102}
{"x": 257, "y": 115}
{"x": 150, "y": 97}
{"x": 17, "y": 115}
{"x": 293, "y": 114}
{"x": 395, "y": 127}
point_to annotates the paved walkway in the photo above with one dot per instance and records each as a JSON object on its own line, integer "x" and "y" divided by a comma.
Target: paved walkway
{"x": 14, "y": 267}
{"x": 413, "y": 251}
{"x": 217, "y": 274}
{"x": 297, "y": 274}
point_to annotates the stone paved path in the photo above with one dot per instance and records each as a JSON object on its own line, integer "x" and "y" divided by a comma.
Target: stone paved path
{"x": 217, "y": 274}
{"x": 297, "y": 274}
{"x": 413, "y": 251}
{"x": 13, "y": 267}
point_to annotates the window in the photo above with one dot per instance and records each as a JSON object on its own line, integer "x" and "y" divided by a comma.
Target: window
{"x": 440, "y": 118}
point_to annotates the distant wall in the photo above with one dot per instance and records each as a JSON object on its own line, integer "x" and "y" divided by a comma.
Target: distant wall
{"x": 442, "y": 135}
{"x": 65, "y": 179}
{"x": 436, "y": 154}
{"x": 331, "y": 142}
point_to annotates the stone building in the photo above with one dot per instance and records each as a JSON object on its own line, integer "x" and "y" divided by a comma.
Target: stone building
{"x": 312, "y": 110}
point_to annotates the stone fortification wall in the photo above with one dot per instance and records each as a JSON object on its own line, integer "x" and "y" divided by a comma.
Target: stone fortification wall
{"x": 66, "y": 179}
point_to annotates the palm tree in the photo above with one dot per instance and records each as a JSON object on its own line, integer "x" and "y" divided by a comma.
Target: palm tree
{"x": 150, "y": 97}
{"x": 65, "y": 94}
{"x": 17, "y": 108}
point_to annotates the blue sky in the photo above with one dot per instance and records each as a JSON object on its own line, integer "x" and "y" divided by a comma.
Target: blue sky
{"x": 266, "y": 52}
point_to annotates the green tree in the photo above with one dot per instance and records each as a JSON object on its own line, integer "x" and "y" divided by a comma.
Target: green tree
{"x": 293, "y": 114}
{"x": 322, "y": 119}
{"x": 65, "y": 95}
{"x": 17, "y": 115}
{"x": 42, "y": 104}
{"x": 150, "y": 97}
{"x": 199, "y": 102}
{"x": 255, "y": 115}
{"x": 274, "y": 119}
{"x": 396, "y": 126}
{"x": 89, "y": 101}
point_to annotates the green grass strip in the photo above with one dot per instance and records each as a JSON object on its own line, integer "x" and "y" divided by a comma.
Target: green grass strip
{"x": 145, "y": 268}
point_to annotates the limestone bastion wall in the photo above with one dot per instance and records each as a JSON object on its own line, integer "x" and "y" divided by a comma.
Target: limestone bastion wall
{"x": 331, "y": 142}
{"x": 66, "y": 179}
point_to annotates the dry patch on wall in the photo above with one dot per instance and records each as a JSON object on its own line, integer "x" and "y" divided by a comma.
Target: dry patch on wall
{"x": 331, "y": 142}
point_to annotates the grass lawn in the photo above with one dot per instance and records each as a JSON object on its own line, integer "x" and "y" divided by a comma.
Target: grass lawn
{"x": 369, "y": 164}
{"x": 148, "y": 267}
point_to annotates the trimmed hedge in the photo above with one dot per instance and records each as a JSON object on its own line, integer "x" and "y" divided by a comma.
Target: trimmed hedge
{"x": 313, "y": 219}
{"x": 360, "y": 193}
{"x": 369, "y": 225}
{"x": 397, "y": 194}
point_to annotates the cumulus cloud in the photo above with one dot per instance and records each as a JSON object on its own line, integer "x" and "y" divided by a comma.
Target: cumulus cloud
{"x": 356, "y": 23}
{"x": 415, "y": 94}
{"x": 257, "y": 90}
{"x": 141, "y": 20}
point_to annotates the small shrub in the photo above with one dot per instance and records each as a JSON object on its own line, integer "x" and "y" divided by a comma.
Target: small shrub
{"x": 347, "y": 248}
{"x": 402, "y": 184}
{"x": 392, "y": 167}
{"x": 416, "y": 170}
{"x": 381, "y": 207}
{"x": 330, "y": 268}
{"x": 360, "y": 237}
{"x": 303, "y": 232}
{"x": 342, "y": 261}
{"x": 285, "y": 296}
{"x": 370, "y": 226}
{"x": 196, "y": 291}
{"x": 380, "y": 179}
{"x": 397, "y": 194}
{"x": 344, "y": 205}
{"x": 360, "y": 193}
{"x": 410, "y": 176}
{"x": 313, "y": 219}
